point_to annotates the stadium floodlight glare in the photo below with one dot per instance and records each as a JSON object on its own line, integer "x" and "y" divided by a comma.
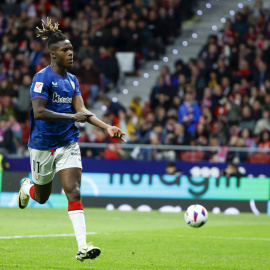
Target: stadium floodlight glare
{"x": 208, "y": 5}
{"x": 114, "y": 99}
{"x": 125, "y": 91}
{"x": 135, "y": 83}
{"x": 175, "y": 51}
{"x": 194, "y": 35}
{"x": 104, "y": 108}
{"x": 240, "y": 5}
{"x": 232, "y": 12}
{"x": 199, "y": 12}
{"x": 146, "y": 75}
{"x": 214, "y": 27}
{"x": 165, "y": 59}
{"x": 156, "y": 67}
{"x": 184, "y": 43}
{"x": 223, "y": 20}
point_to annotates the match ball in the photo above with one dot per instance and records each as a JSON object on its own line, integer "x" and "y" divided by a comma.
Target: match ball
{"x": 196, "y": 216}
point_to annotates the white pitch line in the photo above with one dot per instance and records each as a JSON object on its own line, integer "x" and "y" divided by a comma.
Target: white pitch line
{"x": 227, "y": 238}
{"x": 40, "y": 236}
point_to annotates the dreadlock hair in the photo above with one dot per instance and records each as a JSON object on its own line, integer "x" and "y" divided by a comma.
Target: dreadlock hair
{"x": 50, "y": 32}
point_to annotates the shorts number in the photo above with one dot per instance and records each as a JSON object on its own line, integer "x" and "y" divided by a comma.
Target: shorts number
{"x": 36, "y": 164}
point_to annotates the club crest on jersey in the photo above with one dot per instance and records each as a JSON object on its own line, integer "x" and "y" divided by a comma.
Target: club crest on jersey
{"x": 73, "y": 84}
{"x": 56, "y": 98}
{"x": 54, "y": 84}
{"x": 38, "y": 87}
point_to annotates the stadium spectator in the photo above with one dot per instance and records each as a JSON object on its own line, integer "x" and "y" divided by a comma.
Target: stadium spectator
{"x": 172, "y": 169}
{"x": 144, "y": 130}
{"x": 264, "y": 142}
{"x": 135, "y": 104}
{"x": 232, "y": 170}
{"x": 109, "y": 68}
{"x": 247, "y": 120}
{"x": 189, "y": 113}
{"x": 160, "y": 95}
{"x": 7, "y": 145}
{"x": 24, "y": 100}
{"x": 236, "y": 156}
{"x": 246, "y": 140}
{"x": 90, "y": 74}
{"x": 113, "y": 107}
{"x": 176, "y": 136}
{"x": 201, "y": 135}
{"x": 219, "y": 153}
{"x": 131, "y": 120}
{"x": 261, "y": 74}
{"x": 98, "y": 136}
{"x": 160, "y": 114}
{"x": 246, "y": 135}
{"x": 263, "y": 123}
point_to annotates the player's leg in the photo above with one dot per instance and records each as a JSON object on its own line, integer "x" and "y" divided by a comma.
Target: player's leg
{"x": 39, "y": 193}
{"x": 71, "y": 182}
{"x": 43, "y": 170}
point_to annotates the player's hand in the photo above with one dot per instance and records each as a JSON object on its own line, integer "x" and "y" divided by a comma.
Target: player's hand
{"x": 116, "y": 132}
{"x": 80, "y": 117}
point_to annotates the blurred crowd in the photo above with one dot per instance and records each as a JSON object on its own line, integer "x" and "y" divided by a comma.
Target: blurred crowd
{"x": 97, "y": 30}
{"x": 221, "y": 98}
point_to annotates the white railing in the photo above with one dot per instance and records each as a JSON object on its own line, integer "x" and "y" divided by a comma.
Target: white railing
{"x": 175, "y": 147}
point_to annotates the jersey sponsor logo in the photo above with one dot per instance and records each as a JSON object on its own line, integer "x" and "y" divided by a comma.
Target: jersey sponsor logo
{"x": 56, "y": 98}
{"x": 73, "y": 84}
{"x": 38, "y": 87}
{"x": 54, "y": 84}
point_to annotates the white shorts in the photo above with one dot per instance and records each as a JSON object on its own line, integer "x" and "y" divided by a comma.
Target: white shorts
{"x": 45, "y": 163}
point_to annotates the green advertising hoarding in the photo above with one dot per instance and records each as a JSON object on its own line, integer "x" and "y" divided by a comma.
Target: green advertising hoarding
{"x": 99, "y": 189}
{"x": 175, "y": 187}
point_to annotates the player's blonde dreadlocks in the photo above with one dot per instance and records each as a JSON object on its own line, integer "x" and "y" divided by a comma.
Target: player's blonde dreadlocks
{"x": 50, "y": 32}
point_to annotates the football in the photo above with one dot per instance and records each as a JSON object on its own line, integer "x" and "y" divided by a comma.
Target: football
{"x": 196, "y": 216}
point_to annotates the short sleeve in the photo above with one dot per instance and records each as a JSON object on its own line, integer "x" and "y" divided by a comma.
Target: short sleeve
{"x": 77, "y": 90}
{"x": 39, "y": 87}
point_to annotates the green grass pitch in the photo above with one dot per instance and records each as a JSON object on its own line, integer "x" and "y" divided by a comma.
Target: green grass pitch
{"x": 134, "y": 240}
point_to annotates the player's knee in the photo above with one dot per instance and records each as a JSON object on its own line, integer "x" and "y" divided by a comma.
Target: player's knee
{"x": 42, "y": 200}
{"x": 74, "y": 191}
{"x": 74, "y": 194}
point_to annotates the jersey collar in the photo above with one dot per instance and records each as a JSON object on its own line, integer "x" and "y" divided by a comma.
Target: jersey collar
{"x": 57, "y": 73}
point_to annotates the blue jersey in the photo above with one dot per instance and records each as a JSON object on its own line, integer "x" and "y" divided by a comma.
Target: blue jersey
{"x": 58, "y": 91}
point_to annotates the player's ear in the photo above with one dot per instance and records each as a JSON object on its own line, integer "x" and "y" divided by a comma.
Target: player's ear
{"x": 52, "y": 54}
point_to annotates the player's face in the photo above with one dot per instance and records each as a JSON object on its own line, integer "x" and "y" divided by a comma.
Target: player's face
{"x": 64, "y": 54}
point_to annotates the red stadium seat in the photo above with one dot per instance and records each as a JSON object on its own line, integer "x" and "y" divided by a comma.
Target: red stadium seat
{"x": 259, "y": 158}
{"x": 191, "y": 155}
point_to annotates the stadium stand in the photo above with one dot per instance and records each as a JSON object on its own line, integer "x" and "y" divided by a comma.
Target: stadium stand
{"x": 219, "y": 98}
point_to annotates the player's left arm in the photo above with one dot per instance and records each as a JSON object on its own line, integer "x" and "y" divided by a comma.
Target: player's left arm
{"x": 113, "y": 131}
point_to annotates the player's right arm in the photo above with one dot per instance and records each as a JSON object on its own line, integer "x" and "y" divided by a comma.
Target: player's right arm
{"x": 39, "y": 95}
{"x": 41, "y": 113}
